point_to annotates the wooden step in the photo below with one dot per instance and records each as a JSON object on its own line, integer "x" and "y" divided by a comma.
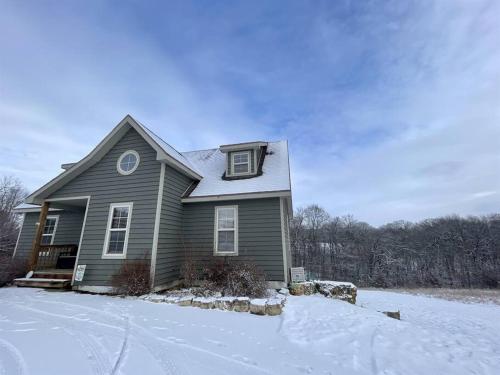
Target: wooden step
{"x": 43, "y": 283}
{"x": 52, "y": 275}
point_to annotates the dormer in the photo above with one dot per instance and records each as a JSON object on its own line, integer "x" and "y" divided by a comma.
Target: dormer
{"x": 244, "y": 160}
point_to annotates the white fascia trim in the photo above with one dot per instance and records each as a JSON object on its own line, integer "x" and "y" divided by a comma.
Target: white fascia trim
{"x": 156, "y": 232}
{"x": 283, "y": 239}
{"x": 96, "y": 154}
{"x": 123, "y": 255}
{"x": 27, "y": 210}
{"x": 19, "y": 235}
{"x": 81, "y": 239}
{"x": 227, "y": 197}
{"x": 216, "y": 232}
{"x": 68, "y": 198}
{"x": 241, "y": 146}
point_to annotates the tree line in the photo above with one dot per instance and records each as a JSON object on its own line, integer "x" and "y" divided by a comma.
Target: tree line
{"x": 449, "y": 251}
{"x": 12, "y": 193}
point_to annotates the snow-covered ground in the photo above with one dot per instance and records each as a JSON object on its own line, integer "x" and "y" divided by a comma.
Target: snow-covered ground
{"x": 67, "y": 333}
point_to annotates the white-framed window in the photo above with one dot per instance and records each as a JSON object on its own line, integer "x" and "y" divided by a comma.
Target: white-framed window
{"x": 49, "y": 230}
{"x": 240, "y": 162}
{"x": 226, "y": 230}
{"x": 128, "y": 162}
{"x": 117, "y": 230}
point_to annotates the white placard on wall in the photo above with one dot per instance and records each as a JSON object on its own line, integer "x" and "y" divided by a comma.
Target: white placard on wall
{"x": 80, "y": 271}
{"x": 297, "y": 274}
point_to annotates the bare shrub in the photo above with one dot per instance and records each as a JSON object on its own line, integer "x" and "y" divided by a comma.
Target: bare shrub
{"x": 232, "y": 278}
{"x": 133, "y": 278}
{"x": 246, "y": 279}
{"x": 12, "y": 268}
{"x": 190, "y": 271}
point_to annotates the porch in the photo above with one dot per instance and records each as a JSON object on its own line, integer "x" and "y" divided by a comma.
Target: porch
{"x": 57, "y": 228}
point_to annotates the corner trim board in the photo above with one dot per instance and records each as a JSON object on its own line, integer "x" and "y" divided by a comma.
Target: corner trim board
{"x": 81, "y": 239}
{"x": 19, "y": 235}
{"x": 283, "y": 240}
{"x": 156, "y": 232}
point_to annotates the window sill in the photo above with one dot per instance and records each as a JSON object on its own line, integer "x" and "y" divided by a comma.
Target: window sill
{"x": 113, "y": 256}
{"x": 219, "y": 254}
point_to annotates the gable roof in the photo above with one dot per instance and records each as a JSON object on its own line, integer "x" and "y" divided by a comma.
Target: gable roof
{"x": 275, "y": 178}
{"x": 205, "y": 167}
{"x": 164, "y": 153}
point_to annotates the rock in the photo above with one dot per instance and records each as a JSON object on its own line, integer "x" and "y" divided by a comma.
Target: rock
{"x": 273, "y": 307}
{"x": 224, "y": 303}
{"x": 156, "y": 298}
{"x": 172, "y": 299}
{"x": 241, "y": 304}
{"x": 207, "y": 303}
{"x": 393, "y": 314}
{"x": 258, "y": 306}
{"x": 284, "y": 291}
{"x": 309, "y": 288}
{"x": 296, "y": 289}
{"x": 185, "y": 301}
{"x": 335, "y": 289}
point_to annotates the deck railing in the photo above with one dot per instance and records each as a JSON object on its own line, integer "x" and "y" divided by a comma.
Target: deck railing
{"x": 56, "y": 256}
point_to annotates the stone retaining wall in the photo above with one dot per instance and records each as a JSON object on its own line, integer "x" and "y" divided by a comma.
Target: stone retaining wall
{"x": 259, "y": 306}
{"x": 333, "y": 289}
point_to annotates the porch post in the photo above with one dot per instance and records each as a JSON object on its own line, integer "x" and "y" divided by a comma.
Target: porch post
{"x": 35, "y": 248}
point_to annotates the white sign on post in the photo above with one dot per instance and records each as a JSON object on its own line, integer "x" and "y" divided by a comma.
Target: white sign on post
{"x": 298, "y": 274}
{"x": 80, "y": 271}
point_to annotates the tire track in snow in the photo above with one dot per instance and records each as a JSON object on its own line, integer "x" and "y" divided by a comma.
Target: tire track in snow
{"x": 100, "y": 364}
{"x": 124, "y": 348}
{"x": 11, "y": 361}
{"x": 166, "y": 364}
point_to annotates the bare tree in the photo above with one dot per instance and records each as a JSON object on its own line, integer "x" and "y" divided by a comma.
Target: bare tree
{"x": 12, "y": 193}
{"x": 450, "y": 251}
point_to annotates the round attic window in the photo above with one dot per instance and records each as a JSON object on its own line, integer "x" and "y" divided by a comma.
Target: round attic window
{"x": 128, "y": 162}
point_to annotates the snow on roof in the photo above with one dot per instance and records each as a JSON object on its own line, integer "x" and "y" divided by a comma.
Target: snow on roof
{"x": 169, "y": 149}
{"x": 212, "y": 165}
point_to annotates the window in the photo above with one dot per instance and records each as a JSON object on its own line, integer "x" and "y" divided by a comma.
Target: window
{"x": 128, "y": 162}
{"x": 49, "y": 231}
{"x": 115, "y": 245}
{"x": 226, "y": 230}
{"x": 240, "y": 162}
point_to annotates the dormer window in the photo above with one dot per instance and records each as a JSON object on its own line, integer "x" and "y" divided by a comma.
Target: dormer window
{"x": 243, "y": 160}
{"x": 240, "y": 162}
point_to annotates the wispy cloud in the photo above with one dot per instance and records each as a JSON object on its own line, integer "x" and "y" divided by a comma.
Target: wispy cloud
{"x": 392, "y": 109}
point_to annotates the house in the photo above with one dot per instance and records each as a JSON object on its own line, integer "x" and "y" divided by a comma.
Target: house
{"x": 134, "y": 197}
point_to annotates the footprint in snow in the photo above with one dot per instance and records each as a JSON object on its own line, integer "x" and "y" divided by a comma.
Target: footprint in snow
{"x": 24, "y": 330}
{"x": 244, "y": 359}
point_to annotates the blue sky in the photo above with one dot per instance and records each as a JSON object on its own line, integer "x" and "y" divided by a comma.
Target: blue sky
{"x": 392, "y": 109}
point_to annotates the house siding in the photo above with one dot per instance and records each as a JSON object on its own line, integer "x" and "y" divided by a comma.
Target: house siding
{"x": 259, "y": 232}
{"x": 170, "y": 251}
{"x": 105, "y": 186}
{"x": 67, "y": 232}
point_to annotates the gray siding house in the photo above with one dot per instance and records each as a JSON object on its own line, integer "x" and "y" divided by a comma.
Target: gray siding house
{"x": 135, "y": 197}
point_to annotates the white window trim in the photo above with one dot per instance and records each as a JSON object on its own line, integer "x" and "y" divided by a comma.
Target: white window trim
{"x": 112, "y": 206}
{"x": 53, "y": 235}
{"x": 216, "y": 232}
{"x": 118, "y": 166}
{"x": 249, "y": 154}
